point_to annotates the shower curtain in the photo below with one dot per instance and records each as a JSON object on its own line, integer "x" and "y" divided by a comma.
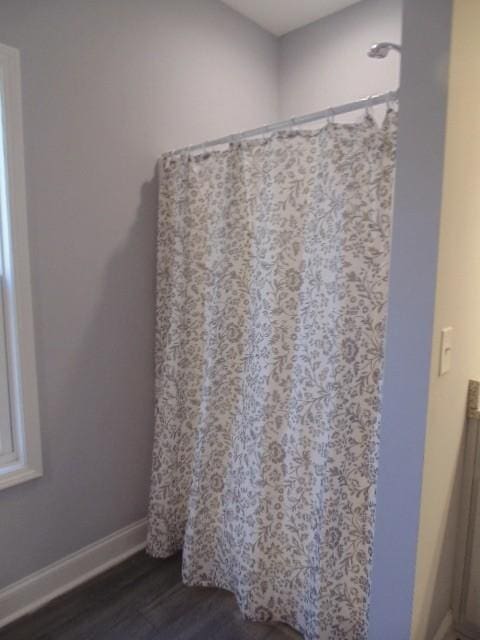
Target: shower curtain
{"x": 273, "y": 259}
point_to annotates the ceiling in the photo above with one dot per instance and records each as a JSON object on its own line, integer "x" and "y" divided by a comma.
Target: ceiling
{"x": 281, "y": 16}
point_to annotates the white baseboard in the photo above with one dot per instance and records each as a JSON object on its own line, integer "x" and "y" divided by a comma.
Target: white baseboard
{"x": 40, "y": 587}
{"x": 445, "y": 630}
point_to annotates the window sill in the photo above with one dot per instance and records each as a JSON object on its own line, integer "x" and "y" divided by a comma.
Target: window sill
{"x": 16, "y": 473}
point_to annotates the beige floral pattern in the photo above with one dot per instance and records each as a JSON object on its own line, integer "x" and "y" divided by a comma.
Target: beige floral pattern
{"x": 273, "y": 259}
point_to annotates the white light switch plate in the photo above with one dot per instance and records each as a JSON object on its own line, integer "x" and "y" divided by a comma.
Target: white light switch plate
{"x": 446, "y": 347}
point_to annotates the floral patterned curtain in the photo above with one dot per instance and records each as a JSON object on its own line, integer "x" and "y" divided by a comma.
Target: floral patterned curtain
{"x": 273, "y": 259}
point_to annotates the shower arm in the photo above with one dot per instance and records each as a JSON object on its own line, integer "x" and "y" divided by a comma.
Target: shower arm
{"x": 381, "y": 50}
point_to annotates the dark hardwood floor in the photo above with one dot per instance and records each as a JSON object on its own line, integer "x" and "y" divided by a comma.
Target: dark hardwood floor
{"x": 142, "y": 599}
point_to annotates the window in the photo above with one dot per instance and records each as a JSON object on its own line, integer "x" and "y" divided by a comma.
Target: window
{"x": 20, "y": 452}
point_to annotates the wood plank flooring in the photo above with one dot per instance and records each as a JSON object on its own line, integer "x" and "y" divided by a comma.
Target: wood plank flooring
{"x": 142, "y": 599}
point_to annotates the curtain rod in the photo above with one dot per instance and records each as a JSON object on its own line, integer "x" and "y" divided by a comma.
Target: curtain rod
{"x": 364, "y": 103}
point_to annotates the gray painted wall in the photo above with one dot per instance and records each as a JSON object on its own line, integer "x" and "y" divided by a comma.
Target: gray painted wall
{"x": 108, "y": 86}
{"x": 423, "y": 99}
{"x": 457, "y": 305}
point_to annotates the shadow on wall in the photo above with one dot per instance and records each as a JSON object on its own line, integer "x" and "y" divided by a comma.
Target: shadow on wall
{"x": 107, "y": 405}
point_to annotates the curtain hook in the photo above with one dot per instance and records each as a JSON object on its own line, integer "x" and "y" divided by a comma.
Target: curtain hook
{"x": 368, "y": 107}
{"x": 291, "y": 126}
{"x": 331, "y": 116}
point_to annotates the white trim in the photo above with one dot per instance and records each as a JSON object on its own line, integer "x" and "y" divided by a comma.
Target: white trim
{"x": 17, "y": 284}
{"x": 37, "y": 589}
{"x": 445, "y": 630}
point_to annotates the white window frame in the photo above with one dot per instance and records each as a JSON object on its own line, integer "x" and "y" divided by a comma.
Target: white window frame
{"x": 25, "y": 461}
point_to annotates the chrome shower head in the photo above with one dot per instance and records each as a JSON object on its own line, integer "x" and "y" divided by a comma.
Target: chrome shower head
{"x": 382, "y": 49}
